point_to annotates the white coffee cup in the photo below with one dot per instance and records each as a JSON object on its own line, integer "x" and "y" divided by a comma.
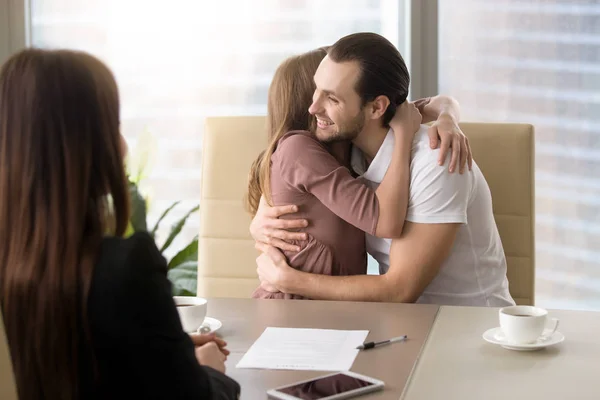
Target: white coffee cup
{"x": 525, "y": 324}
{"x": 192, "y": 311}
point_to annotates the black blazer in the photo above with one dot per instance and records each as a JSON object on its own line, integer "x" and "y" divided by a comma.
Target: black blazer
{"x": 140, "y": 348}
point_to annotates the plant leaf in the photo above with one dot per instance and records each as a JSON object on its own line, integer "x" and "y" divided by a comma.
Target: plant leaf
{"x": 189, "y": 253}
{"x": 177, "y": 227}
{"x": 130, "y": 231}
{"x": 140, "y": 158}
{"x": 178, "y": 291}
{"x": 162, "y": 216}
{"x": 184, "y": 278}
{"x": 138, "y": 209}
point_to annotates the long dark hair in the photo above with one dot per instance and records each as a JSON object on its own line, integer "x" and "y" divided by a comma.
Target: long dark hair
{"x": 62, "y": 188}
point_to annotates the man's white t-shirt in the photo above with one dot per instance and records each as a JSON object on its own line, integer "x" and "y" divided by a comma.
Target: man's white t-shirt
{"x": 474, "y": 274}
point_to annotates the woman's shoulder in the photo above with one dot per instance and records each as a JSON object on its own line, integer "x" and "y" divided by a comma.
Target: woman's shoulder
{"x": 294, "y": 145}
{"x": 298, "y": 132}
{"x": 139, "y": 245}
{"x": 128, "y": 259}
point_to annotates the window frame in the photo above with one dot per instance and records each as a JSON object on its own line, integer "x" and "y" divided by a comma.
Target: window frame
{"x": 14, "y": 27}
{"x": 422, "y": 47}
{"x": 419, "y": 17}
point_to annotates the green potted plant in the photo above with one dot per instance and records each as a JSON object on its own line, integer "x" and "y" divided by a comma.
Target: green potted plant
{"x": 183, "y": 266}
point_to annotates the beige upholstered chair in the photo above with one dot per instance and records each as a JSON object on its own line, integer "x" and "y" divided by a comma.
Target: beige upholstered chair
{"x": 226, "y": 266}
{"x": 8, "y": 387}
{"x": 505, "y": 154}
{"x": 226, "y": 254}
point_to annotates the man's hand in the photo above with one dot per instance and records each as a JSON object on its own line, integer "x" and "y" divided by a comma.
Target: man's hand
{"x": 266, "y": 227}
{"x": 446, "y": 128}
{"x": 201, "y": 340}
{"x": 272, "y": 268}
{"x": 267, "y": 287}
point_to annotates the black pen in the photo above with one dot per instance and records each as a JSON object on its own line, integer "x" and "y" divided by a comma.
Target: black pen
{"x": 370, "y": 345}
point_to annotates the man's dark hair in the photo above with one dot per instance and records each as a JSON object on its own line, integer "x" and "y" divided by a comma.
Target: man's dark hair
{"x": 382, "y": 68}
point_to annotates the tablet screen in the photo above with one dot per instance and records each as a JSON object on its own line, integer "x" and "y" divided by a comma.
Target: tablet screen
{"x": 325, "y": 387}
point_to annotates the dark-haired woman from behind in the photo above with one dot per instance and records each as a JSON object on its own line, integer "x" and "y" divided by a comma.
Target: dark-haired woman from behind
{"x": 88, "y": 314}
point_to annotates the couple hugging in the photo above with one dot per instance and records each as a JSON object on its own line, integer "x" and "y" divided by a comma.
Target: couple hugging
{"x": 350, "y": 169}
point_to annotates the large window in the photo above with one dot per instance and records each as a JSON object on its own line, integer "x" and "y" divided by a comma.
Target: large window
{"x": 538, "y": 61}
{"x": 179, "y": 61}
{"x": 532, "y": 61}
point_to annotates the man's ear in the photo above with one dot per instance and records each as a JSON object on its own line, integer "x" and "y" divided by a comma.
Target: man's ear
{"x": 378, "y": 107}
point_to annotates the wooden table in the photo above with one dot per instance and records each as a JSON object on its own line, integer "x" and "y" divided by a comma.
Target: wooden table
{"x": 446, "y": 354}
{"x": 457, "y": 364}
{"x": 244, "y": 320}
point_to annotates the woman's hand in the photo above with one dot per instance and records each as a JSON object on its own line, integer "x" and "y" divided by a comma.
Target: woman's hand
{"x": 406, "y": 121}
{"x": 201, "y": 340}
{"x": 210, "y": 355}
{"x": 452, "y": 137}
{"x": 444, "y": 112}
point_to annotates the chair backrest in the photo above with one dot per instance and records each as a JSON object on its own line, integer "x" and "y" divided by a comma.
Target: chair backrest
{"x": 226, "y": 254}
{"x": 8, "y": 386}
{"x": 505, "y": 154}
{"x": 226, "y": 260}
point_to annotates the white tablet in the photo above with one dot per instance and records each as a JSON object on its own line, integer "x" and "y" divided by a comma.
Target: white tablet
{"x": 336, "y": 386}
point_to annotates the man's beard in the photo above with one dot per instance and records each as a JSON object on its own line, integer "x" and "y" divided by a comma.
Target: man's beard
{"x": 347, "y": 131}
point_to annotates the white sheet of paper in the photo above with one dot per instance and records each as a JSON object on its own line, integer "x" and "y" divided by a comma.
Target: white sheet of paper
{"x": 304, "y": 349}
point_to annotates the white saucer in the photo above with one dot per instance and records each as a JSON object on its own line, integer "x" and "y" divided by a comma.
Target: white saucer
{"x": 213, "y": 323}
{"x": 496, "y": 336}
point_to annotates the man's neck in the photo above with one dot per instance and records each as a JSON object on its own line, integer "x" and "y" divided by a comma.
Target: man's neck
{"x": 370, "y": 140}
{"x": 341, "y": 151}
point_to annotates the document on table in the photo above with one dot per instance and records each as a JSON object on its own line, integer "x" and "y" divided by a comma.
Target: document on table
{"x": 304, "y": 349}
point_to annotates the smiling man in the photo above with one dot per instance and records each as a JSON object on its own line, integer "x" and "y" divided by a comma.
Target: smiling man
{"x": 450, "y": 250}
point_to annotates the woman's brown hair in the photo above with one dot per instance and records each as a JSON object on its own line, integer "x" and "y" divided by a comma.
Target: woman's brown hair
{"x": 62, "y": 188}
{"x": 290, "y": 96}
